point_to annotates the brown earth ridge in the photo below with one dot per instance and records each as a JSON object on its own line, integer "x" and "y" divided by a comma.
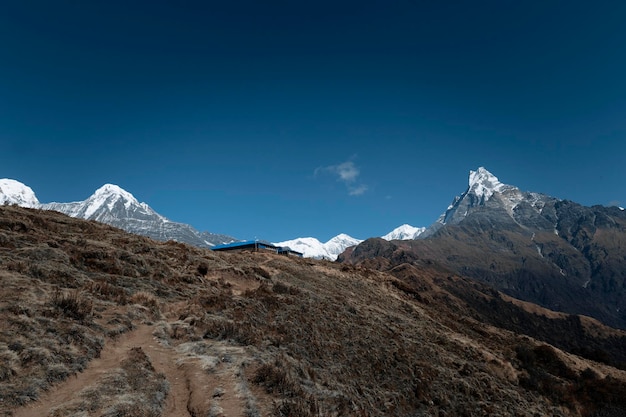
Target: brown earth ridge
{"x": 98, "y": 322}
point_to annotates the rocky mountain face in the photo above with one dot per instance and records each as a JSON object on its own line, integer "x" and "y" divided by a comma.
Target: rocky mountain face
{"x": 500, "y": 205}
{"x": 555, "y": 253}
{"x": 96, "y": 321}
{"x": 117, "y": 207}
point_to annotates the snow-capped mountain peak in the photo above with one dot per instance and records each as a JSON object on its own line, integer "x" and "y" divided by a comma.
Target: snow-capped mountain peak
{"x": 115, "y": 206}
{"x": 109, "y": 194}
{"x": 310, "y": 247}
{"x": 404, "y": 232}
{"x": 483, "y": 183}
{"x": 339, "y": 243}
{"x": 115, "y": 190}
{"x": 485, "y": 190}
{"x": 342, "y": 237}
{"x": 14, "y": 192}
{"x": 313, "y": 248}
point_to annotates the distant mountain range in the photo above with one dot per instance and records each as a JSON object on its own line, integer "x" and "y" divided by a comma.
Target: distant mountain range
{"x": 532, "y": 246}
{"x": 310, "y": 247}
{"x": 110, "y": 204}
{"x": 313, "y": 248}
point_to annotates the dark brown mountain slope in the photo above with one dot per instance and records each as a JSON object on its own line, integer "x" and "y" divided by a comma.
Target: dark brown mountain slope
{"x": 261, "y": 334}
{"x": 569, "y": 332}
{"x": 576, "y": 264}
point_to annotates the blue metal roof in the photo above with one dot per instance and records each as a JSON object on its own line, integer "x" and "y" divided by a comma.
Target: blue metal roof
{"x": 257, "y": 244}
{"x": 234, "y": 244}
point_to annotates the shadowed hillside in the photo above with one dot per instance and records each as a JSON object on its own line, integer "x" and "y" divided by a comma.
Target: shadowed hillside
{"x": 575, "y": 264}
{"x": 98, "y": 322}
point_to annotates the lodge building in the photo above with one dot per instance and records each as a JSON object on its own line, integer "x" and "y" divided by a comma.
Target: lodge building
{"x": 257, "y": 246}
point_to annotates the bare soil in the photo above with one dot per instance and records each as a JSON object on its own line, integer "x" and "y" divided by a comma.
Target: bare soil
{"x": 193, "y": 391}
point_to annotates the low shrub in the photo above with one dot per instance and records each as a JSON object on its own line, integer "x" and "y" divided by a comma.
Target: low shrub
{"x": 242, "y": 333}
{"x": 275, "y": 379}
{"x": 107, "y": 291}
{"x": 281, "y": 288}
{"x": 147, "y": 300}
{"x": 296, "y": 408}
{"x": 72, "y": 305}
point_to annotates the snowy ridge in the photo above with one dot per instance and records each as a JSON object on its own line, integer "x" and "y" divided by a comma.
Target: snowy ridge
{"x": 340, "y": 243}
{"x": 14, "y": 192}
{"x": 310, "y": 247}
{"x": 404, "y": 232}
{"x": 117, "y": 207}
{"x": 108, "y": 204}
{"x": 313, "y": 248}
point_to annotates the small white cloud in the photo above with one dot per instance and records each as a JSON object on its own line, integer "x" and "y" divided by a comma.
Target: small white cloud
{"x": 358, "y": 190}
{"x": 347, "y": 173}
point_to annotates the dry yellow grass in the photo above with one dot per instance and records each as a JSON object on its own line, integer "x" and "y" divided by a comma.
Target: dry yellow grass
{"x": 260, "y": 334}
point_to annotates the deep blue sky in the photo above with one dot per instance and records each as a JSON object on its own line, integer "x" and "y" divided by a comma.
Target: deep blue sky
{"x": 282, "y": 119}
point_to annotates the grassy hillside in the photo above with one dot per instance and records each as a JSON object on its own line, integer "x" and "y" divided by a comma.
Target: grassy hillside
{"x": 97, "y": 322}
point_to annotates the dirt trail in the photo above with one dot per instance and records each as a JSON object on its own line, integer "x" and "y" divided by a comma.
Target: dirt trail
{"x": 193, "y": 390}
